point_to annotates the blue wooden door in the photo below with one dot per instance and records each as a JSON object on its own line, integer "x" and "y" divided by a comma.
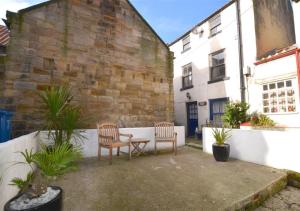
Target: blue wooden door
{"x": 192, "y": 118}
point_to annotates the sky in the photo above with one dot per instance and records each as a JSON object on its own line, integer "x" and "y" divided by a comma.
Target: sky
{"x": 169, "y": 18}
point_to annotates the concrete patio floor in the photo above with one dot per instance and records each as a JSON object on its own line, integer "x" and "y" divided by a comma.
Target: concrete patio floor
{"x": 192, "y": 180}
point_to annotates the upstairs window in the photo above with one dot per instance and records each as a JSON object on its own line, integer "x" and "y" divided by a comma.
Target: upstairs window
{"x": 187, "y": 76}
{"x": 186, "y": 42}
{"x": 215, "y": 25}
{"x": 279, "y": 97}
{"x": 217, "y": 65}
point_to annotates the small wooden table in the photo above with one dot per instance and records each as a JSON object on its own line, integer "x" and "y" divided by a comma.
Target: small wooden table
{"x": 136, "y": 143}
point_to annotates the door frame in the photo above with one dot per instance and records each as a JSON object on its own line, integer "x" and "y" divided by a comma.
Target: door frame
{"x": 188, "y": 114}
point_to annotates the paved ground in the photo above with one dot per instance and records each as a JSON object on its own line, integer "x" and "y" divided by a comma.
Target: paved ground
{"x": 193, "y": 142}
{"x": 288, "y": 199}
{"x": 192, "y": 180}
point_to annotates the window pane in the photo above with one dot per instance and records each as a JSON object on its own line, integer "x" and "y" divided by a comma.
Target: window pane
{"x": 215, "y": 21}
{"x": 218, "y": 59}
{"x": 214, "y": 24}
{"x": 272, "y": 86}
{"x": 186, "y": 43}
{"x": 280, "y": 85}
{"x": 266, "y": 102}
{"x": 279, "y": 98}
{"x": 290, "y": 92}
{"x": 187, "y": 70}
{"x": 265, "y": 96}
{"x": 186, "y": 40}
{"x": 186, "y": 46}
{"x": 218, "y": 72}
{"x": 281, "y": 93}
{"x": 218, "y": 111}
{"x": 288, "y": 83}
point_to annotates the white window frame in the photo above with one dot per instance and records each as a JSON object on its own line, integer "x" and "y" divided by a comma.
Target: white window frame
{"x": 187, "y": 72}
{"x": 186, "y": 43}
{"x": 213, "y": 67}
{"x": 281, "y": 97}
{"x": 215, "y": 24}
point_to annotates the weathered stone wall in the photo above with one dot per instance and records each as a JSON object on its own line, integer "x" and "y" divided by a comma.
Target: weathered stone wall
{"x": 274, "y": 25}
{"x": 118, "y": 69}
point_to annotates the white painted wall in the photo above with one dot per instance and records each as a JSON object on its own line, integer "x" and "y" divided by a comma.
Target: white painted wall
{"x": 276, "y": 70}
{"x": 89, "y": 147}
{"x": 8, "y": 156}
{"x": 198, "y": 55}
{"x": 278, "y": 149}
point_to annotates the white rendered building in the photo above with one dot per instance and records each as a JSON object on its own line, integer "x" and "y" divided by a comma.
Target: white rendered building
{"x": 235, "y": 54}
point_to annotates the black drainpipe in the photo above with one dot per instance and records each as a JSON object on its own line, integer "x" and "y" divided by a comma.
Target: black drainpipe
{"x": 241, "y": 56}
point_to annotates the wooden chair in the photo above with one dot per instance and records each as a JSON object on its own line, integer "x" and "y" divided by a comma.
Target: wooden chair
{"x": 109, "y": 138}
{"x": 164, "y": 132}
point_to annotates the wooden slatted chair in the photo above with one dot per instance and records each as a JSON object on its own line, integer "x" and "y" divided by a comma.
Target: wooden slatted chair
{"x": 164, "y": 132}
{"x": 109, "y": 138}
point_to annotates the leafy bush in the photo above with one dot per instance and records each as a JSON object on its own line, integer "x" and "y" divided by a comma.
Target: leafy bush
{"x": 61, "y": 116}
{"x": 235, "y": 114}
{"x": 221, "y": 136}
{"x": 50, "y": 163}
{"x": 261, "y": 120}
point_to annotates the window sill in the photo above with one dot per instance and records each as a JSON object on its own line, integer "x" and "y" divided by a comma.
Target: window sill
{"x": 282, "y": 113}
{"x": 218, "y": 80}
{"x": 185, "y": 50}
{"x": 185, "y": 88}
{"x": 213, "y": 35}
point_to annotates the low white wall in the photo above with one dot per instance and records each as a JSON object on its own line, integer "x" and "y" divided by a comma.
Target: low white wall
{"x": 8, "y": 156}
{"x": 278, "y": 149}
{"x": 90, "y": 145}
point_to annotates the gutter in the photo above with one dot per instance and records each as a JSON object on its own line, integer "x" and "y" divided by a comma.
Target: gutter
{"x": 241, "y": 55}
{"x": 274, "y": 57}
{"x": 285, "y": 54}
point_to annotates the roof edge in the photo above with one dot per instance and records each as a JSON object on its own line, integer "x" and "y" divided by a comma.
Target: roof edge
{"x": 203, "y": 21}
{"x": 27, "y": 9}
{"x": 130, "y": 4}
{"x": 149, "y": 26}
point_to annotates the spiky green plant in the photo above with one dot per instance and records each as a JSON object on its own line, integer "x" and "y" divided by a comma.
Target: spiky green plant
{"x": 221, "y": 135}
{"x": 61, "y": 116}
{"x": 261, "y": 120}
{"x": 50, "y": 163}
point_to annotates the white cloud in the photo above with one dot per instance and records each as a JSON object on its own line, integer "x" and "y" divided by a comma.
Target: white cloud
{"x": 11, "y": 5}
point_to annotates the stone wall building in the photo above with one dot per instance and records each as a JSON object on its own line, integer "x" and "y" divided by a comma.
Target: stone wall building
{"x": 117, "y": 66}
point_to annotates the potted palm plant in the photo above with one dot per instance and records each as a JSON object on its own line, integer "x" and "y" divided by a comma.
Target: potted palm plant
{"x": 61, "y": 116}
{"x": 35, "y": 192}
{"x": 221, "y": 150}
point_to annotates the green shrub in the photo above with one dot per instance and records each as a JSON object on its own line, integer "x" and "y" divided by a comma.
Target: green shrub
{"x": 235, "y": 114}
{"x": 261, "y": 120}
